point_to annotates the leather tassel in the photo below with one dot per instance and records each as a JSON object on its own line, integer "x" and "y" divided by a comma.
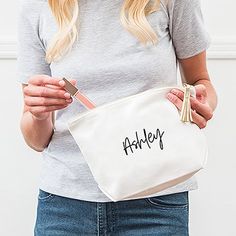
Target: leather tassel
{"x": 186, "y": 115}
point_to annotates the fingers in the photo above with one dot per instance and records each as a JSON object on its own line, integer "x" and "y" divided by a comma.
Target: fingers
{"x": 45, "y": 86}
{"x": 52, "y": 86}
{"x": 45, "y": 94}
{"x": 40, "y": 91}
{"x": 43, "y": 80}
{"x": 42, "y": 101}
{"x": 62, "y": 82}
{"x": 201, "y": 92}
{"x": 175, "y": 100}
{"x": 197, "y": 118}
{"x": 201, "y": 108}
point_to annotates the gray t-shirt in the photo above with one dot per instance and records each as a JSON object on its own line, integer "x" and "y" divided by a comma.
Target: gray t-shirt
{"x": 108, "y": 63}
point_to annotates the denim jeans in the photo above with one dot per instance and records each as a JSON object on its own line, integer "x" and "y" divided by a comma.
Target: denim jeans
{"x": 165, "y": 215}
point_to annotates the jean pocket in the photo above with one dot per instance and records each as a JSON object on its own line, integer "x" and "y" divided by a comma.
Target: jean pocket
{"x": 170, "y": 201}
{"x": 45, "y": 196}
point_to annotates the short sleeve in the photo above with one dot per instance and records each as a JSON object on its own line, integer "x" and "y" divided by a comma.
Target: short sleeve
{"x": 187, "y": 28}
{"x": 30, "y": 49}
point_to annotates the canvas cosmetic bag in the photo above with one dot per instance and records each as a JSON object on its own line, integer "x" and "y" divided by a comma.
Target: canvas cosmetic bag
{"x": 141, "y": 144}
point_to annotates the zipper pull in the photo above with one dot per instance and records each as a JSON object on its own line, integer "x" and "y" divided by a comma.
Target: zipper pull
{"x": 186, "y": 115}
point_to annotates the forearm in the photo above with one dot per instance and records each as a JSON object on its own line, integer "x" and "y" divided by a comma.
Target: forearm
{"x": 211, "y": 93}
{"x": 194, "y": 70}
{"x": 37, "y": 133}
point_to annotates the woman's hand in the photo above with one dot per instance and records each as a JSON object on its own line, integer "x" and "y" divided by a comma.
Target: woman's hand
{"x": 44, "y": 94}
{"x": 201, "y": 110}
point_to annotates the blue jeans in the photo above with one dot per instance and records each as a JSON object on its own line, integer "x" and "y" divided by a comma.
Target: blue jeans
{"x": 165, "y": 215}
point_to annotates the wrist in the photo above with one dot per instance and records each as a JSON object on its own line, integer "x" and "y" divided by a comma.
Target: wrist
{"x": 46, "y": 119}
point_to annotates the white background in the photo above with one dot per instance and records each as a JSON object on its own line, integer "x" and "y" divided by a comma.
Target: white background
{"x": 213, "y": 206}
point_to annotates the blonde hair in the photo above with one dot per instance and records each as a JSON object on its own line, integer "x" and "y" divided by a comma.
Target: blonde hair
{"x": 66, "y": 12}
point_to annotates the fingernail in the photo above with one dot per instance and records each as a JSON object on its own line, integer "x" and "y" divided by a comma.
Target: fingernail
{"x": 169, "y": 96}
{"x": 61, "y": 82}
{"x": 67, "y": 95}
{"x": 173, "y": 91}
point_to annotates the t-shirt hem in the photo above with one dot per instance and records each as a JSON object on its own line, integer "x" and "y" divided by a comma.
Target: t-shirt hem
{"x": 98, "y": 197}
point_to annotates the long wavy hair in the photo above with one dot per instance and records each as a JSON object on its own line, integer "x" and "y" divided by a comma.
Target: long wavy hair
{"x": 66, "y": 12}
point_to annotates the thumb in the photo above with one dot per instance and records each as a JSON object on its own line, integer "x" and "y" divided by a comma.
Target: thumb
{"x": 201, "y": 92}
{"x": 73, "y": 81}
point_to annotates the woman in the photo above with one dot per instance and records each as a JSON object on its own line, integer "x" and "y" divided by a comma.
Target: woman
{"x": 109, "y": 49}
